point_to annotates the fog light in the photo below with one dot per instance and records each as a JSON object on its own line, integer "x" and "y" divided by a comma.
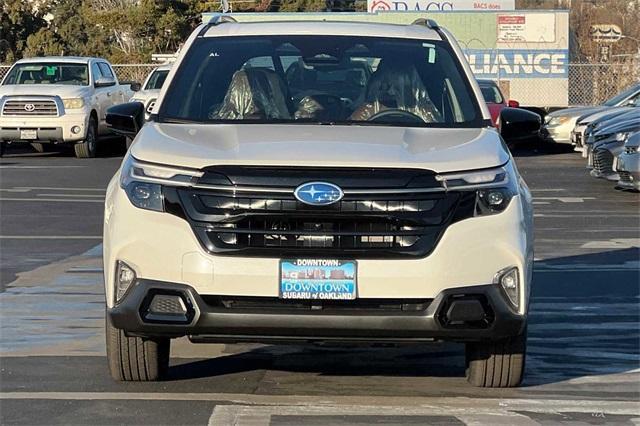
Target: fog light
{"x": 125, "y": 276}
{"x": 75, "y": 130}
{"x": 509, "y": 279}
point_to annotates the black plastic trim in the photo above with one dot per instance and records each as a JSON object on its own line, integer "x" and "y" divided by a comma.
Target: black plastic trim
{"x": 265, "y": 325}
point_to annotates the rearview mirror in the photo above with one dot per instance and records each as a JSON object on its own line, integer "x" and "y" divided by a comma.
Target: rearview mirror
{"x": 519, "y": 124}
{"x": 126, "y": 119}
{"x": 513, "y": 104}
{"x": 105, "y": 82}
{"x": 135, "y": 86}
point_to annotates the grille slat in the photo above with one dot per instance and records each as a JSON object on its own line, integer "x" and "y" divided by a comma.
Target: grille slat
{"x": 30, "y": 108}
{"x": 603, "y": 161}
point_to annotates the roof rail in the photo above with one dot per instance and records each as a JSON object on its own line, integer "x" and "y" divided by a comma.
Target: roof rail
{"x": 429, "y": 23}
{"x": 221, "y": 18}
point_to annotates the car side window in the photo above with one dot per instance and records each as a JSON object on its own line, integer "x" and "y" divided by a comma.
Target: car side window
{"x": 105, "y": 69}
{"x": 95, "y": 70}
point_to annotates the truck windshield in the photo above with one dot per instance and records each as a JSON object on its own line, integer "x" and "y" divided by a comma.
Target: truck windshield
{"x": 321, "y": 79}
{"x": 156, "y": 80}
{"x": 49, "y": 73}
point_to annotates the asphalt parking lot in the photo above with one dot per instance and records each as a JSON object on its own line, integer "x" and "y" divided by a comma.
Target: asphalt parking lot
{"x": 583, "y": 363}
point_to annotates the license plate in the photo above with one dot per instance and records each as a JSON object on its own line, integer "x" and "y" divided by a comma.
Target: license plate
{"x": 318, "y": 279}
{"x": 29, "y": 134}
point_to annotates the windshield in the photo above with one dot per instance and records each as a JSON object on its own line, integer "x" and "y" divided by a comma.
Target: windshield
{"x": 321, "y": 79}
{"x": 491, "y": 93}
{"x": 623, "y": 95}
{"x": 49, "y": 73}
{"x": 156, "y": 80}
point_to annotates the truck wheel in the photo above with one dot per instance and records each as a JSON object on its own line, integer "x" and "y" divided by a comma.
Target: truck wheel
{"x": 134, "y": 359}
{"x": 1, "y": 149}
{"x": 497, "y": 364}
{"x": 38, "y": 147}
{"x": 87, "y": 148}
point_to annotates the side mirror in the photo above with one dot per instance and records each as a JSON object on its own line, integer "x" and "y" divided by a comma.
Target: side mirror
{"x": 135, "y": 86}
{"x": 513, "y": 104}
{"x": 105, "y": 82}
{"x": 126, "y": 119}
{"x": 519, "y": 124}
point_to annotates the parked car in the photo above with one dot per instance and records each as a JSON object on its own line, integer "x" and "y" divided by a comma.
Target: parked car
{"x": 495, "y": 100}
{"x": 591, "y": 122}
{"x": 559, "y": 124}
{"x": 239, "y": 215}
{"x": 151, "y": 88}
{"x": 629, "y": 164}
{"x": 605, "y": 144}
{"x": 59, "y": 100}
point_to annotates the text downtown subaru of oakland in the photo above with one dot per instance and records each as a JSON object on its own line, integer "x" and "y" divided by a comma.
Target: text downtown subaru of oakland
{"x": 337, "y": 187}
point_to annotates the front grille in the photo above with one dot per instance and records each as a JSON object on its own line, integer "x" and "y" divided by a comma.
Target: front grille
{"x": 367, "y": 224}
{"x": 624, "y": 176}
{"x": 362, "y": 306}
{"x": 603, "y": 161}
{"x": 30, "y": 108}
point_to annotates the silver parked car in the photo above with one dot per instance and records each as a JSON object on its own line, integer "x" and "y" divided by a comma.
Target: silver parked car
{"x": 629, "y": 164}
{"x": 604, "y": 145}
{"x": 591, "y": 122}
{"x": 559, "y": 124}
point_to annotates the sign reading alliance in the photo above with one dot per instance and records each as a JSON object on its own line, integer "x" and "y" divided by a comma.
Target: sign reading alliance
{"x": 446, "y": 5}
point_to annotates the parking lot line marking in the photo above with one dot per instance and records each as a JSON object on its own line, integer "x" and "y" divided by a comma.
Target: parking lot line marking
{"x": 50, "y": 237}
{"x": 548, "y": 190}
{"x": 311, "y": 401}
{"x": 52, "y": 199}
{"x": 72, "y": 195}
{"x": 59, "y": 188}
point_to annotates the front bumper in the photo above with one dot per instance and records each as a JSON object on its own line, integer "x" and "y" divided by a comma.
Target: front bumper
{"x": 443, "y": 318}
{"x": 556, "y": 134}
{"x": 48, "y": 129}
{"x": 163, "y": 247}
{"x": 629, "y": 171}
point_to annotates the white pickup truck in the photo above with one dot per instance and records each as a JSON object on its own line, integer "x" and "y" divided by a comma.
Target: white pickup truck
{"x": 59, "y": 100}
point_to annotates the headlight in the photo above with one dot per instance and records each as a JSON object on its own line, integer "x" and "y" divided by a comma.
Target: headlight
{"x": 73, "y": 103}
{"x": 557, "y": 121}
{"x": 621, "y": 137}
{"x": 143, "y": 182}
{"x": 494, "y": 188}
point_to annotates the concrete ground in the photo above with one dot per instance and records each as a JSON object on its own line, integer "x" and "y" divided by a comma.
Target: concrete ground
{"x": 583, "y": 343}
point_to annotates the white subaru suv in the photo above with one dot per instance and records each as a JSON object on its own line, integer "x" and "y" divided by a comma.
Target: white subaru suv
{"x": 318, "y": 182}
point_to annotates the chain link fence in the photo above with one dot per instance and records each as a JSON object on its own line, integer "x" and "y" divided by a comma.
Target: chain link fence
{"x": 587, "y": 83}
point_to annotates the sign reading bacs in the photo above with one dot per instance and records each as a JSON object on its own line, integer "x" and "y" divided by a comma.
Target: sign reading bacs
{"x": 445, "y": 5}
{"x": 518, "y": 63}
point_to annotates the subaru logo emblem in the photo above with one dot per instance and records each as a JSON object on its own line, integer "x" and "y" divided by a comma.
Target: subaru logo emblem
{"x": 29, "y": 107}
{"x": 318, "y": 193}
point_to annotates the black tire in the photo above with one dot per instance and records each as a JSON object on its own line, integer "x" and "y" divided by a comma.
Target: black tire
{"x": 497, "y": 364}
{"x": 2, "y": 147}
{"x": 134, "y": 359}
{"x": 87, "y": 148}
{"x": 38, "y": 147}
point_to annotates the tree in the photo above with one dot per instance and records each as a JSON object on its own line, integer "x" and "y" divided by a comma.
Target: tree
{"x": 18, "y": 20}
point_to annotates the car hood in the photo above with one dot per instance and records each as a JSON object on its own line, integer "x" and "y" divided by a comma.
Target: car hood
{"x": 629, "y": 122}
{"x": 576, "y": 111}
{"x": 605, "y": 114}
{"x": 440, "y": 150}
{"x": 62, "y": 90}
{"x": 145, "y": 95}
